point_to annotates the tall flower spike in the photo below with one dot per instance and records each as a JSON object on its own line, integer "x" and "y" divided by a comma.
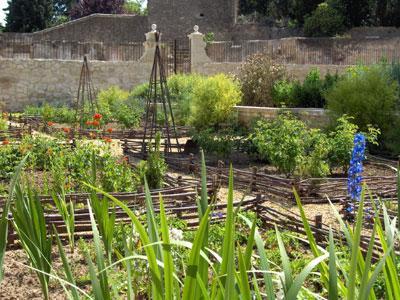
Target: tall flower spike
{"x": 356, "y": 167}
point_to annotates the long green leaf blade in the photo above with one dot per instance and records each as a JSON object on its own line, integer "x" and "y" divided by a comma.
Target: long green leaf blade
{"x": 168, "y": 261}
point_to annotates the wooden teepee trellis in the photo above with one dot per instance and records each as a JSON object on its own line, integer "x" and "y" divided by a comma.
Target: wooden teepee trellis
{"x": 159, "y": 95}
{"x": 86, "y": 98}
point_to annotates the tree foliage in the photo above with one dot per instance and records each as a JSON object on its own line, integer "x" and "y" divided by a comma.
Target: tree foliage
{"x": 28, "y": 15}
{"x": 324, "y": 21}
{"x": 87, "y": 7}
{"x": 352, "y": 13}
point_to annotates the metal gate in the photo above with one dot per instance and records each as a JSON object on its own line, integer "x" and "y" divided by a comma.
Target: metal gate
{"x": 176, "y": 56}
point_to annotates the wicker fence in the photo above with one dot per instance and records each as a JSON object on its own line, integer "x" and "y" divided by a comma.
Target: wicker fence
{"x": 295, "y": 53}
{"x": 26, "y": 48}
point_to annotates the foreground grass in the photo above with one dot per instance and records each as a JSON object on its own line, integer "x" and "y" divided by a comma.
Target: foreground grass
{"x": 235, "y": 270}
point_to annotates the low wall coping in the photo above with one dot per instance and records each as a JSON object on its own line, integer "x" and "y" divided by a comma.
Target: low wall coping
{"x": 319, "y": 111}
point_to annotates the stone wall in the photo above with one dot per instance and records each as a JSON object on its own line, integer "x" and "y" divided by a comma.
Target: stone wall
{"x": 177, "y": 17}
{"x": 98, "y": 28}
{"x": 254, "y": 31}
{"x": 312, "y": 116}
{"x": 31, "y": 82}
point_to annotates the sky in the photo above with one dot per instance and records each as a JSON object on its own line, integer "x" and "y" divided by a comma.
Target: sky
{"x": 3, "y": 4}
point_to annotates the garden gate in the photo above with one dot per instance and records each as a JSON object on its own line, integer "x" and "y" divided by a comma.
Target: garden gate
{"x": 176, "y": 56}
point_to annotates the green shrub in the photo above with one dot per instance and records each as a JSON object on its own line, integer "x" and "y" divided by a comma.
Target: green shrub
{"x": 140, "y": 92}
{"x": 257, "y": 78}
{"x": 221, "y": 143}
{"x": 369, "y": 96}
{"x": 282, "y": 93}
{"x": 181, "y": 89}
{"x": 310, "y": 93}
{"x": 342, "y": 141}
{"x": 9, "y": 160}
{"x": 111, "y": 96}
{"x": 293, "y": 148}
{"x": 209, "y": 37}
{"x": 324, "y": 21}
{"x": 3, "y": 124}
{"x": 317, "y": 150}
{"x": 214, "y": 100}
{"x": 154, "y": 168}
{"x": 118, "y": 105}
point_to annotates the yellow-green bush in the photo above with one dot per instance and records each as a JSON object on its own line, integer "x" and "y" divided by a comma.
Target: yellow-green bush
{"x": 214, "y": 99}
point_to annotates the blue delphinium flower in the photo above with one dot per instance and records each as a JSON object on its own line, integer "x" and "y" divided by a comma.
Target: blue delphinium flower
{"x": 356, "y": 167}
{"x": 217, "y": 215}
{"x": 354, "y": 179}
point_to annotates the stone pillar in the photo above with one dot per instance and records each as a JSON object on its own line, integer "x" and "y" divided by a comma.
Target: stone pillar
{"x": 149, "y": 46}
{"x": 198, "y": 53}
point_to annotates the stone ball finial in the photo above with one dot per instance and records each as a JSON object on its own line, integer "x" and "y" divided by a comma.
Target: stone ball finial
{"x": 196, "y": 28}
{"x": 154, "y": 27}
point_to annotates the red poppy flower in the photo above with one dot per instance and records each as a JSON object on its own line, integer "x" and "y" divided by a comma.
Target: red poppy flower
{"x": 88, "y": 123}
{"x": 109, "y": 130}
{"x": 50, "y": 123}
{"x": 6, "y": 142}
{"x": 107, "y": 140}
{"x": 97, "y": 116}
{"x": 67, "y": 130}
{"x": 96, "y": 123}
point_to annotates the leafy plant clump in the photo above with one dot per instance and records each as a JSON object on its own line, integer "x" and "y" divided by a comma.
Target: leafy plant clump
{"x": 113, "y": 104}
{"x": 54, "y": 113}
{"x": 154, "y": 168}
{"x": 222, "y": 143}
{"x": 117, "y": 105}
{"x": 295, "y": 149}
{"x": 309, "y": 93}
{"x": 60, "y": 166}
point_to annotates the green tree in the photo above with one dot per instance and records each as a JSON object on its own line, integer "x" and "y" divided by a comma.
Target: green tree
{"x": 28, "y": 15}
{"x": 136, "y": 7}
{"x": 381, "y": 11}
{"x": 250, "y": 6}
{"x": 359, "y": 12}
{"x": 324, "y": 21}
{"x": 299, "y": 9}
{"x": 393, "y": 12}
{"x": 87, "y": 7}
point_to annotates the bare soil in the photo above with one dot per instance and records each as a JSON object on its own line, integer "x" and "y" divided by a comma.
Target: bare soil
{"x": 20, "y": 282}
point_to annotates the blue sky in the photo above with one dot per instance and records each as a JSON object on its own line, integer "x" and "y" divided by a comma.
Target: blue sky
{"x": 3, "y": 4}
